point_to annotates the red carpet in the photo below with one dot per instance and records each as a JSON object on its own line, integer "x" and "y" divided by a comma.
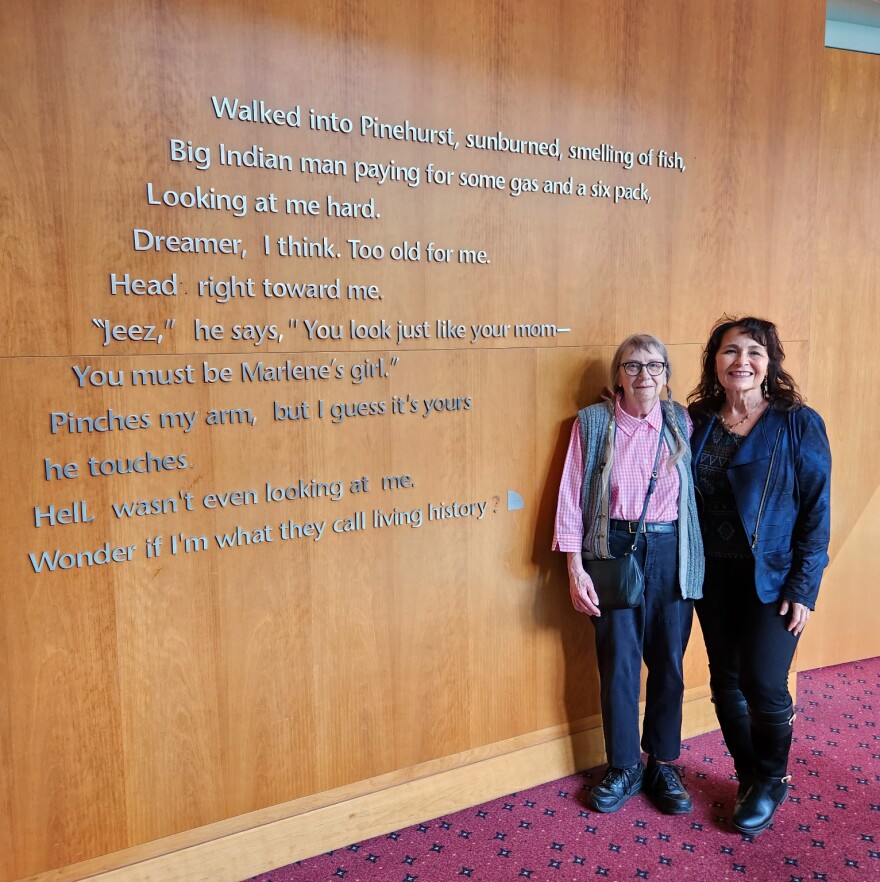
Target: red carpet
{"x": 827, "y": 830}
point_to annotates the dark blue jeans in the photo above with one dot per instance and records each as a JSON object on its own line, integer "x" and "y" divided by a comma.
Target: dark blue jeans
{"x": 750, "y": 649}
{"x": 656, "y": 631}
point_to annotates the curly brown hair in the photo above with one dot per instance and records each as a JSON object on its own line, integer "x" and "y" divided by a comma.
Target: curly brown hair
{"x": 782, "y": 390}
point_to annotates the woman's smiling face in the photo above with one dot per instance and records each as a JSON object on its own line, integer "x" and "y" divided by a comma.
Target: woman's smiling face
{"x": 741, "y": 363}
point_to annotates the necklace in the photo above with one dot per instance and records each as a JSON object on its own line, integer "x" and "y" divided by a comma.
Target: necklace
{"x": 746, "y": 418}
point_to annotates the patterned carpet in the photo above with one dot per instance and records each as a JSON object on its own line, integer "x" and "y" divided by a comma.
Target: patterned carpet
{"x": 828, "y": 830}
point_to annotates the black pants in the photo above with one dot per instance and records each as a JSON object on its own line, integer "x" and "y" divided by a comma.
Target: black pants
{"x": 749, "y": 648}
{"x": 656, "y": 631}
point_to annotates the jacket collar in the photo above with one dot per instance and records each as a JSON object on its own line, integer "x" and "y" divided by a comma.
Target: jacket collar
{"x": 758, "y": 444}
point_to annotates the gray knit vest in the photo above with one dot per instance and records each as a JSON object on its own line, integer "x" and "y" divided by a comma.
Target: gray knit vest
{"x": 596, "y": 422}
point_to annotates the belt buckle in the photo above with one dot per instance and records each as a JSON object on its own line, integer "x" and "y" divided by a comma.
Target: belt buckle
{"x": 630, "y": 529}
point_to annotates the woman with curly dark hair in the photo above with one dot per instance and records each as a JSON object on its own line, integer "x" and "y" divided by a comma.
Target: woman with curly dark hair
{"x": 762, "y": 469}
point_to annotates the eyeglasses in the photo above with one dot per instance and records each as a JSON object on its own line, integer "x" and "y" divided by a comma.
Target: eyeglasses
{"x": 634, "y": 368}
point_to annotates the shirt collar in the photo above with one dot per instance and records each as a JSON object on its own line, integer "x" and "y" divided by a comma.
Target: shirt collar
{"x": 629, "y": 423}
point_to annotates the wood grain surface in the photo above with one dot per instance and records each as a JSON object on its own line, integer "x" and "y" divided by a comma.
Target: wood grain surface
{"x": 842, "y": 353}
{"x": 144, "y": 698}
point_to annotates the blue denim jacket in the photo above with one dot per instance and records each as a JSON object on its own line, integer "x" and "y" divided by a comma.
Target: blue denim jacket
{"x": 781, "y": 479}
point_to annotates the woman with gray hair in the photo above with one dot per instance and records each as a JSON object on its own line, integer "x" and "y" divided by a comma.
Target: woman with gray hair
{"x": 604, "y": 498}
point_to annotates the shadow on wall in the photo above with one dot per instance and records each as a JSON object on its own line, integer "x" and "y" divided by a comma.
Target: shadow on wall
{"x": 552, "y": 607}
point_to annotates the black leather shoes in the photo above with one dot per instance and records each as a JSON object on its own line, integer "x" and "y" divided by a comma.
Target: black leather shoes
{"x": 664, "y": 788}
{"x": 755, "y": 813}
{"x": 616, "y": 788}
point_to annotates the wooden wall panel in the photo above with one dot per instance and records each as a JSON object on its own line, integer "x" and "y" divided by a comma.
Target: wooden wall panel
{"x": 144, "y": 699}
{"x": 842, "y": 361}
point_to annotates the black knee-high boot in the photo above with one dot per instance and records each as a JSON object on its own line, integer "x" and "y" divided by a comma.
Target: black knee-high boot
{"x": 733, "y": 716}
{"x": 771, "y": 740}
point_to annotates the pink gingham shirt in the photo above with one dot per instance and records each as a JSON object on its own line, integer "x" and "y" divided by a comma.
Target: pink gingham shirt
{"x": 634, "y": 450}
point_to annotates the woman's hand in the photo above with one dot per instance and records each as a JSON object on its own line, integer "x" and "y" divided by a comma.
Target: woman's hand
{"x": 580, "y": 585}
{"x": 799, "y": 615}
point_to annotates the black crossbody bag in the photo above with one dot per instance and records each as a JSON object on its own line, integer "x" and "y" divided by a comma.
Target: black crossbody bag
{"x": 619, "y": 581}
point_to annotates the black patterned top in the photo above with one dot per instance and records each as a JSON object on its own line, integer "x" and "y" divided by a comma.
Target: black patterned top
{"x": 723, "y": 533}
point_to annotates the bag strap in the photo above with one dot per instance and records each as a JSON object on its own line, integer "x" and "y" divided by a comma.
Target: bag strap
{"x": 651, "y": 485}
